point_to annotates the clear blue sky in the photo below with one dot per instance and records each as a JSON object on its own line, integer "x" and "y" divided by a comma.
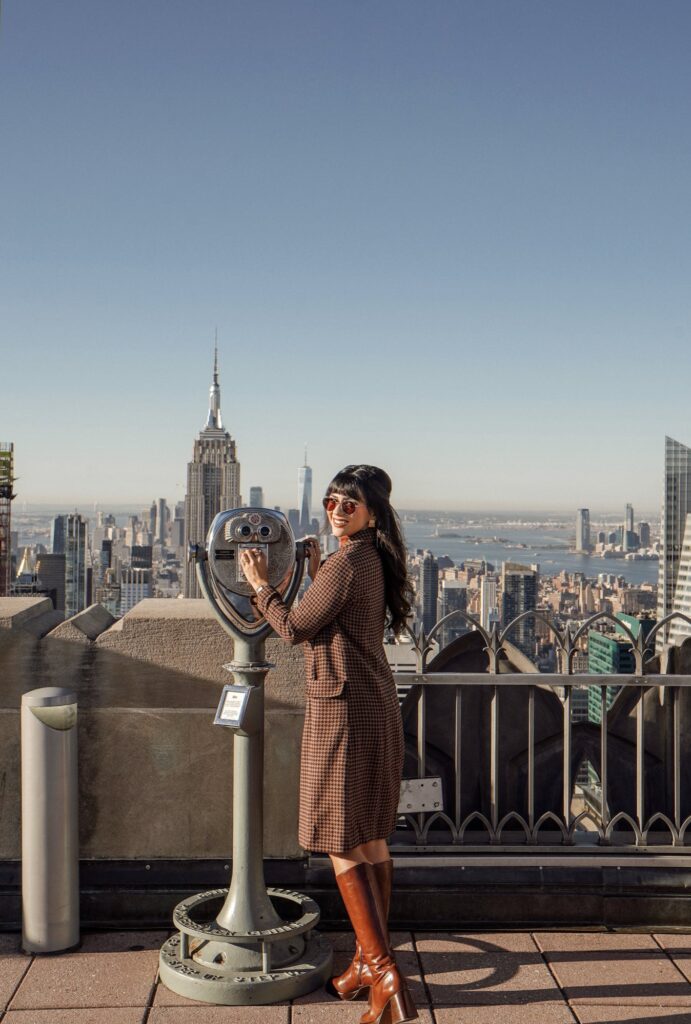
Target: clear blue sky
{"x": 451, "y": 238}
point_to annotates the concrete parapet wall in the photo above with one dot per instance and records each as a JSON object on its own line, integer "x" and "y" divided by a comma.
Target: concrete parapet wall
{"x": 155, "y": 775}
{"x": 183, "y": 635}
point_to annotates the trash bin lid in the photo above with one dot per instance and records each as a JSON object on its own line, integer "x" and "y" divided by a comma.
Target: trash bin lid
{"x": 49, "y": 697}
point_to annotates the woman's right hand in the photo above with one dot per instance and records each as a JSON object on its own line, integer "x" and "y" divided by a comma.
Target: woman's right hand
{"x": 314, "y": 555}
{"x": 253, "y": 562}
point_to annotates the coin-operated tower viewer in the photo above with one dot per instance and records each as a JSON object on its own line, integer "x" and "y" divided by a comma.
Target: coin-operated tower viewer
{"x": 246, "y": 944}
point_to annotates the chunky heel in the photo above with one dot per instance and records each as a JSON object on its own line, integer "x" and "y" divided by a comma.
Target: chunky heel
{"x": 401, "y": 1007}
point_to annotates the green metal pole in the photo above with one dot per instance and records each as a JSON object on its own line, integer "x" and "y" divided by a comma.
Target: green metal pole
{"x": 248, "y": 907}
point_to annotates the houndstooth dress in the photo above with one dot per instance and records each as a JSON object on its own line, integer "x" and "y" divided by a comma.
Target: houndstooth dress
{"x": 352, "y": 742}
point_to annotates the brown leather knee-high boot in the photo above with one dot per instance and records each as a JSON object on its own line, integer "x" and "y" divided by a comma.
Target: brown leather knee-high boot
{"x": 357, "y": 975}
{"x": 388, "y": 991}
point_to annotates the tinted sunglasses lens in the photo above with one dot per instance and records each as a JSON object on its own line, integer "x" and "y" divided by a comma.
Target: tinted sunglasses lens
{"x": 347, "y": 506}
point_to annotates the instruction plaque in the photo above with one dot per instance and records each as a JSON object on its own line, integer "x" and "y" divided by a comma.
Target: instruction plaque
{"x": 232, "y": 706}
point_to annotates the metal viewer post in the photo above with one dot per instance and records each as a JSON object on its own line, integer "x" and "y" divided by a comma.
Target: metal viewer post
{"x": 248, "y": 953}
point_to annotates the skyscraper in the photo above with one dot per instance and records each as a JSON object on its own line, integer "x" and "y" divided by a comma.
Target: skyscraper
{"x": 177, "y": 538}
{"x": 454, "y": 597}
{"x": 135, "y": 585}
{"x": 679, "y": 629}
{"x": 294, "y": 520}
{"x": 629, "y": 518}
{"x": 105, "y": 558}
{"x": 305, "y": 496}
{"x": 213, "y": 480}
{"x": 675, "y": 508}
{"x": 256, "y": 497}
{"x": 162, "y": 517}
{"x": 25, "y": 581}
{"x": 429, "y": 590}
{"x": 142, "y": 556}
{"x": 6, "y": 496}
{"x": 57, "y": 536}
{"x": 519, "y": 594}
{"x": 583, "y": 529}
{"x": 50, "y": 570}
{"x": 488, "y": 602}
{"x": 75, "y": 533}
{"x": 628, "y": 540}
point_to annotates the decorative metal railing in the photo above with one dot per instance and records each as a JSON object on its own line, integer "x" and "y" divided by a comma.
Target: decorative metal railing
{"x": 458, "y": 723}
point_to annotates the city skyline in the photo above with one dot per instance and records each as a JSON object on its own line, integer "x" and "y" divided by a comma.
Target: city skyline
{"x": 470, "y": 212}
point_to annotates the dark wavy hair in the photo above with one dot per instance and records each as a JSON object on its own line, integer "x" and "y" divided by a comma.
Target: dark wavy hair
{"x": 373, "y": 486}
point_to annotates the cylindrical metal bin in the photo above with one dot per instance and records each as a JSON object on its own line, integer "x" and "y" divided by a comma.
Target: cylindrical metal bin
{"x": 50, "y": 839}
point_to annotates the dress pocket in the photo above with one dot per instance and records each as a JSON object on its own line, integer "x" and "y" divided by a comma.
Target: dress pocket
{"x": 324, "y": 689}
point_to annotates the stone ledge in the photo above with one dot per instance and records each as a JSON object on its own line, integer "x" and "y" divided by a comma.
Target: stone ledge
{"x": 167, "y": 608}
{"x": 184, "y": 635}
{"x": 85, "y": 626}
{"x": 17, "y": 612}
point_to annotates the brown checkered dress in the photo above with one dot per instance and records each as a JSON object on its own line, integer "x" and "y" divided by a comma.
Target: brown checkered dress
{"x": 352, "y": 743}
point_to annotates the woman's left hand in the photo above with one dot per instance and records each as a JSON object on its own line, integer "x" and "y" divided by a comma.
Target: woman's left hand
{"x": 314, "y": 555}
{"x": 254, "y": 566}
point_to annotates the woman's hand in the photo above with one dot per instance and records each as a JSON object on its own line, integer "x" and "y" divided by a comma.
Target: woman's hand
{"x": 255, "y": 568}
{"x": 314, "y": 555}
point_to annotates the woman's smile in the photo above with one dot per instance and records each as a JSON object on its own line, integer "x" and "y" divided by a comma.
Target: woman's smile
{"x": 344, "y": 523}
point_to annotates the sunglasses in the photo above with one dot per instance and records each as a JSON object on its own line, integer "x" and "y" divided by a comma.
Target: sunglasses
{"x": 348, "y": 505}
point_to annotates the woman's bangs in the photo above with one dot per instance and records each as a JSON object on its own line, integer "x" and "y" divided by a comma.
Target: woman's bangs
{"x": 344, "y": 483}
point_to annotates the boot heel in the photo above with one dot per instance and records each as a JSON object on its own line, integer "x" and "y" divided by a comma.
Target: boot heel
{"x": 401, "y": 1007}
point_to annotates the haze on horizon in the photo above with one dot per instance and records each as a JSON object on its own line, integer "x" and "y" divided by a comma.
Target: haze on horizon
{"x": 140, "y": 505}
{"x": 449, "y": 239}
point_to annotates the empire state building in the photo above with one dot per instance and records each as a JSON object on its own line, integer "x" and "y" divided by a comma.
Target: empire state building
{"x": 213, "y": 480}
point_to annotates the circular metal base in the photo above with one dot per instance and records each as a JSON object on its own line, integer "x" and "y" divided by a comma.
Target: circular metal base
{"x": 244, "y": 988}
{"x": 198, "y": 917}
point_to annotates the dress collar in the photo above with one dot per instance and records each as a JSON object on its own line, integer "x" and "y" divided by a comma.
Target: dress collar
{"x": 367, "y": 534}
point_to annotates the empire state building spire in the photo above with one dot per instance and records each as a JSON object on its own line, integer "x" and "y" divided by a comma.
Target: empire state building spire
{"x": 213, "y": 420}
{"x": 213, "y": 479}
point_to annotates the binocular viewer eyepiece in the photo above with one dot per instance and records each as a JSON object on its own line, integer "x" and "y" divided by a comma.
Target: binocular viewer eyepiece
{"x": 219, "y": 567}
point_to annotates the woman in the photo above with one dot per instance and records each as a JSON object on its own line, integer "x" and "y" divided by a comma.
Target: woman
{"x": 352, "y": 744}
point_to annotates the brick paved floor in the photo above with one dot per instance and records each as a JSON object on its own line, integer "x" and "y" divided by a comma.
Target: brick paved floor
{"x": 464, "y": 978}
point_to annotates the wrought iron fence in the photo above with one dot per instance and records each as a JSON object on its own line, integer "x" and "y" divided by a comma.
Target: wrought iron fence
{"x": 508, "y": 750}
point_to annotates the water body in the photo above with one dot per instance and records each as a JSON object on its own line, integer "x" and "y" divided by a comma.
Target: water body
{"x": 542, "y": 547}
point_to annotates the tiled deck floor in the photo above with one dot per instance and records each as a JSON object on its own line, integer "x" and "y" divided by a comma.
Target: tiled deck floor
{"x": 464, "y": 978}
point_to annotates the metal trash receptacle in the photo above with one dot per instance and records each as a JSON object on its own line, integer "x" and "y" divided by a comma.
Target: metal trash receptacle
{"x": 50, "y": 839}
